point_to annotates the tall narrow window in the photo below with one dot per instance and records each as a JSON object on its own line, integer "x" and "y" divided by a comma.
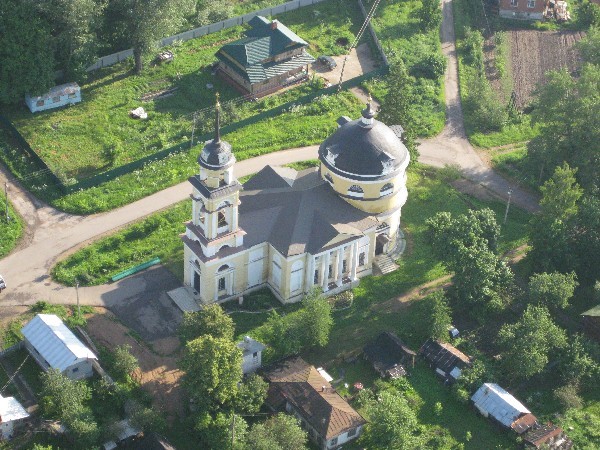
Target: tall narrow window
{"x": 221, "y": 284}
{"x": 361, "y": 259}
{"x": 514, "y": 3}
{"x": 344, "y": 266}
{"x": 531, "y": 3}
{"x": 222, "y": 220}
{"x": 316, "y": 277}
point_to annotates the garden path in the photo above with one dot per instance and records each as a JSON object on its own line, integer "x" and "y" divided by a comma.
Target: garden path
{"x": 53, "y": 234}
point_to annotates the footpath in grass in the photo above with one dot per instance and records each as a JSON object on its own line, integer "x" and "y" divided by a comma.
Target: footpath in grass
{"x": 11, "y": 230}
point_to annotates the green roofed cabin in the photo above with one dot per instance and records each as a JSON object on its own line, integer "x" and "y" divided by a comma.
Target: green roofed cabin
{"x": 270, "y": 57}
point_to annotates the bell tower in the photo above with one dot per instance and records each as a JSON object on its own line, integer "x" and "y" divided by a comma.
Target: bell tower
{"x": 214, "y": 230}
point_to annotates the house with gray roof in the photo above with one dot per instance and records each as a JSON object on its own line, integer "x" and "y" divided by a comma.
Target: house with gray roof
{"x": 251, "y": 354}
{"x": 496, "y": 403}
{"x": 54, "y": 346}
{"x": 269, "y": 57}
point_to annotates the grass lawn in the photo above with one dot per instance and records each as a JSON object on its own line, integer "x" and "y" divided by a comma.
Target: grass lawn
{"x": 397, "y": 28}
{"x": 512, "y": 164}
{"x": 11, "y": 231}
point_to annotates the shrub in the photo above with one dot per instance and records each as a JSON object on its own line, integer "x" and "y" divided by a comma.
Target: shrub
{"x": 432, "y": 66}
{"x": 568, "y": 397}
{"x": 473, "y": 46}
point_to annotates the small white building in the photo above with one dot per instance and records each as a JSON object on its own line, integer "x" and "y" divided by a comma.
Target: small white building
{"x": 493, "y": 401}
{"x": 64, "y": 94}
{"x": 12, "y": 414}
{"x": 251, "y": 354}
{"x": 54, "y": 346}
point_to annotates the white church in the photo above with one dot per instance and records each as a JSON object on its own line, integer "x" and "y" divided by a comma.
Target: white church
{"x": 294, "y": 230}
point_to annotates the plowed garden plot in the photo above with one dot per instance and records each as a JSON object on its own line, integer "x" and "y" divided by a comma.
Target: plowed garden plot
{"x": 533, "y": 53}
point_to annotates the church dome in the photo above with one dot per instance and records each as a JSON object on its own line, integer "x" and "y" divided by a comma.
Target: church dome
{"x": 364, "y": 149}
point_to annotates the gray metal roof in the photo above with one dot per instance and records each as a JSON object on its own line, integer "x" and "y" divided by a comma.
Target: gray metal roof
{"x": 55, "y": 342}
{"x": 249, "y": 346}
{"x": 11, "y": 409}
{"x": 297, "y": 212}
{"x": 498, "y": 403}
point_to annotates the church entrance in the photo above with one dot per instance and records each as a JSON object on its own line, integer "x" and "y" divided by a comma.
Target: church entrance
{"x": 196, "y": 284}
{"x": 380, "y": 241}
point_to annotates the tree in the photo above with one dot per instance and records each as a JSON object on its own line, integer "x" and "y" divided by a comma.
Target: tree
{"x": 589, "y": 46}
{"x": 211, "y": 320}
{"x": 74, "y": 25}
{"x": 585, "y": 238}
{"x": 251, "y": 395}
{"x": 527, "y": 343}
{"x": 397, "y": 105}
{"x": 223, "y": 431}
{"x": 124, "y": 363}
{"x": 588, "y": 14}
{"x": 26, "y": 52}
{"x": 567, "y": 111}
{"x": 62, "y": 397}
{"x": 550, "y": 228}
{"x": 580, "y": 362}
{"x": 279, "y": 432}
{"x": 430, "y": 15}
{"x": 440, "y": 319}
{"x": 213, "y": 369}
{"x": 146, "y": 419}
{"x": 143, "y": 22}
{"x": 552, "y": 289}
{"x": 393, "y": 424}
{"x": 316, "y": 320}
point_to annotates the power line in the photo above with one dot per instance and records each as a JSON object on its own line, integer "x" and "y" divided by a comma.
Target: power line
{"x": 14, "y": 374}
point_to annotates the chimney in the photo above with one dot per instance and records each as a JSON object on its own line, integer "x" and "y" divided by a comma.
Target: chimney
{"x": 274, "y": 25}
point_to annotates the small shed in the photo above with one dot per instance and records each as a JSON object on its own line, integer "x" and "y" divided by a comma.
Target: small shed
{"x": 64, "y": 94}
{"x": 591, "y": 322}
{"x": 12, "y": 416}
{"x": 547, "y": 436}
{"x": 54, "y": 346}
{"x": 251, "y": 354}
{"x": 389, "y": 355}
{"x": 447, "y": 360}
{"x": 493, "y": 401}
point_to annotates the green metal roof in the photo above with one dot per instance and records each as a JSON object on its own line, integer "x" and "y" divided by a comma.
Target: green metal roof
{"x": 594, "y": 312}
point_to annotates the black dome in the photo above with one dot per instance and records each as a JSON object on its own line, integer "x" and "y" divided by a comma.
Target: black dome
{"x": 216, "y": 155}
{"x": 363, "y": 149}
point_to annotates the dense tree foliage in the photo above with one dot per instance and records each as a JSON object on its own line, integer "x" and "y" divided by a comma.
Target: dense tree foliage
{"x": 211, "y": 320}
{"x": 26, "y": 51}
{"x": 124, "y": 363}
{"x": 466, "y": 245}
{"x": 430, "y": 15}
{"x": 553, "y": 290}
{"x": 213, "y": 369}
{"x": 529, "y": 343}
{"x": 251, "y": 394}
{"x": 440, "y": 317}
{"x": 397, "y": 105}
{"x": 280, "y": 432}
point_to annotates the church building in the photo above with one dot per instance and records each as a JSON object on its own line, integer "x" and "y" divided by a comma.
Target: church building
{"x": 295, "y": 230}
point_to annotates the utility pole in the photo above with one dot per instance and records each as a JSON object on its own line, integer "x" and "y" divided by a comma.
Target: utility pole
{"x": 507, "y": 205}
{"x": 193, "y": 129}
{"x": 6, "y": 200}
{"x": 77, "y": 292}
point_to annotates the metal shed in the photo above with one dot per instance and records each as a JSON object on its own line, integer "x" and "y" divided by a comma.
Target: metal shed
{"x": 54, "y": 346}
{"x": 491, "y": 400}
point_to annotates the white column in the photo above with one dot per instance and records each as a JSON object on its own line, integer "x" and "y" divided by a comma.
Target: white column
{"x": 340, "y": 265}
{"x": 310, "y": 270}
{"x": 217, "y": 288}
{"x": 354, "y": 261}
{"x": 213, "y": 233}
{"x": 234, "y": 218}
{"x": 195, "y": 219}
{"x": 325, "y": 280}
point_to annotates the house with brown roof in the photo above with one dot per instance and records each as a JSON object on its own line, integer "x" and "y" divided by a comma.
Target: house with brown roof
{"x": 548, "y": 437}
{"x": 522, "y": 9}
{"x": 299, "y": 389}
{"x": 447, "y": 360}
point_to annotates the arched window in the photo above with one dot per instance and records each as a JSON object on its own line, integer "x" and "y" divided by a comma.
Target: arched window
{"x": 223, "y": 204}
{"x": 223, "y": 247}
{"x": 222, "y": 222}
{"x": 223, "y": 268}
{"x": 328, "y": 178}
{"x": 355, "y": 191}
{"x": 387, "y": 189}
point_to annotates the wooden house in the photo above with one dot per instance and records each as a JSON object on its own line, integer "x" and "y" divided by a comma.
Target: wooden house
{"x": 270, "y": 57}
{"x": 522, "y": 9}
{"x": 447, "y": 360}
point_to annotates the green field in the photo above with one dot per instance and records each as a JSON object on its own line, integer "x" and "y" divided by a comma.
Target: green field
{"x": 11, "y": 230}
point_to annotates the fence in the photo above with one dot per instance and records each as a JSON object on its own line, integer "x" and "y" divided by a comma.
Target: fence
{"x": 29, "y": 152}
{"x": 109, "y": 60}
{"x": 13, "y": 348}
{"x": 374, "y": 35}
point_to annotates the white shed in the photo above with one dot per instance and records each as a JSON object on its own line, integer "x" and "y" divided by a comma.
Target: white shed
{"x": 12, "y": 414}
{"x": 491, "y": 400}
{"x": 64, "y": 94}
{"x": 251, "y": 354}
{"x": 54, "y": 346}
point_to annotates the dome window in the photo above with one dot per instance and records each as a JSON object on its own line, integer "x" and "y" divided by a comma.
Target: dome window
{"x": 387, "y": 189}
{"x": 329, "y": 178}
{"x": 355, "y": 191}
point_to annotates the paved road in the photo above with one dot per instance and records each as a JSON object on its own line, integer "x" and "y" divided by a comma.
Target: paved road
{"x": 53, "y": 234}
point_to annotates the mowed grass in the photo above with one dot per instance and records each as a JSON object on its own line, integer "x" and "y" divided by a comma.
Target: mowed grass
{"x": 98, "y": 134}
{"x": 397, "y": 28}
{"x": 11, "y": 230}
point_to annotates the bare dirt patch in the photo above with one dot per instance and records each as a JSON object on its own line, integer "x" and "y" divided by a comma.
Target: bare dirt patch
{"x": 533, "y": 53}
{"x": 158, "y": 373}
